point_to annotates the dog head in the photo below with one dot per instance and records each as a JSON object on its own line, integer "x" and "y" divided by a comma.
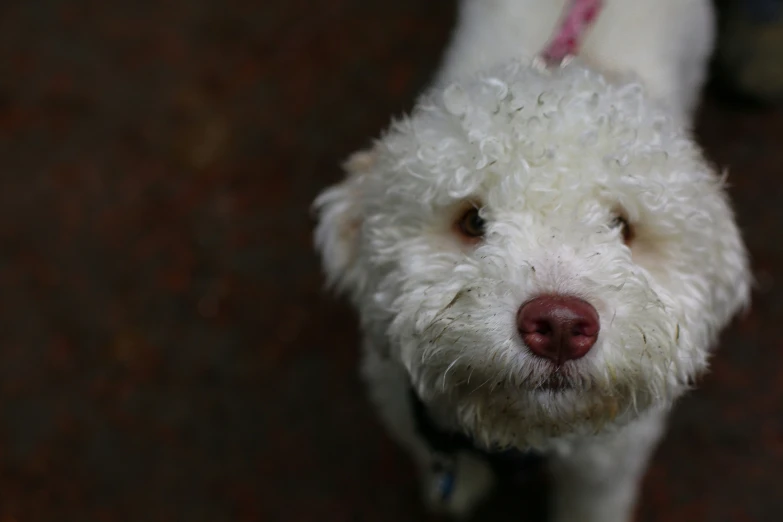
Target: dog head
{"x": 547, "y": 253}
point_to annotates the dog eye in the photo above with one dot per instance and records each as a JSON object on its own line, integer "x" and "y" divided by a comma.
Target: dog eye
{"x": 627, "y": 231}
{"x": 470, "y": 224}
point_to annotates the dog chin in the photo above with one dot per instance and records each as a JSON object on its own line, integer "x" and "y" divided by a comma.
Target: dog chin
{"x": 552, "y": 413}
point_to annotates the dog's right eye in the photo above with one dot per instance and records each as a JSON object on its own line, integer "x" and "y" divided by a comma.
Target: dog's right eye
{"x": 471, "y": 225}
{"x": 625, "y": 228}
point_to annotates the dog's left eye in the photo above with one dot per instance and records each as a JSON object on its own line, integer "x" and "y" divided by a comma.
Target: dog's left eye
{"x": 471, "y": 224}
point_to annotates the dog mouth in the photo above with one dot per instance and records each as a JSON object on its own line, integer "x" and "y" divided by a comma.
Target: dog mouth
{"x": 555, "y": 384}
{"x": 556, "y": 381}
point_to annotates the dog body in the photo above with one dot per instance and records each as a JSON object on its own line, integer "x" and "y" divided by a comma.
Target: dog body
{"x": 542, "y": 256}
{"x": 667, "y": 43}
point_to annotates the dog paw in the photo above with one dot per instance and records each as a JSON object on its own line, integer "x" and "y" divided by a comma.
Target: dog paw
{"x": 459, "y": 487}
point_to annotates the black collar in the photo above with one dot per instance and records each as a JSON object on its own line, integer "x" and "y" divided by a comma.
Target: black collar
{"x": 446, "y": 444}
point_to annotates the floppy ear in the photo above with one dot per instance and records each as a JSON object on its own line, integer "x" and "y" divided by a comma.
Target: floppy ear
{"x": 339, "y": 214}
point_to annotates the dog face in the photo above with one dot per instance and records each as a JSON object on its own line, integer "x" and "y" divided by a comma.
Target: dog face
{"x": 528, "y": 186}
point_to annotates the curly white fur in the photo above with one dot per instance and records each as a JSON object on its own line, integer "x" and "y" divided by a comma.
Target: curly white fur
{"x": 550, "y": 157}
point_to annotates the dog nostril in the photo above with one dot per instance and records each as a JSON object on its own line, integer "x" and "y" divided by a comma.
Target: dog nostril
{"x": 543, "y": 328}
{"x": 559, "y": 328}
{"x": 588, "y": 329}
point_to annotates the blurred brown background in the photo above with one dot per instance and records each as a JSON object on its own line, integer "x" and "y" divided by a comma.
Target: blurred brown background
{"x": 166, "y": 350}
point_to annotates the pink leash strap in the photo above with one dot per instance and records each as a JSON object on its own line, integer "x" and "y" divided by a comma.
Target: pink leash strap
{"x": 578, "y": 18}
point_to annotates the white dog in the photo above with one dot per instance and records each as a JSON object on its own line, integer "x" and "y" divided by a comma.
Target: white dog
{"x": 541, "y": 257}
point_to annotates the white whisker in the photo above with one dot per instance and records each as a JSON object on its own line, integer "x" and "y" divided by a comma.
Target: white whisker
{"x": 443, "y": 387}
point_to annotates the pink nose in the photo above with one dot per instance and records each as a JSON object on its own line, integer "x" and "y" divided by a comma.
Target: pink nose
{"x": 558, "y": 327}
